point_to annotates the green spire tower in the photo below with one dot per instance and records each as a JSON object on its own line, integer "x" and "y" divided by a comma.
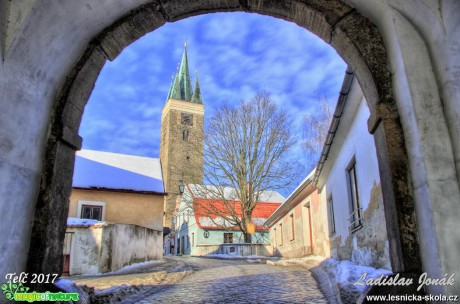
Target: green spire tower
{"x": 181, "y": 87}
{"x": 196, "y": 97}
{"x": 182, "y": 130}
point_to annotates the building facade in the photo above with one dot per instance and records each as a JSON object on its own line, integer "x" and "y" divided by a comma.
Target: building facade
{"x": 198, "y": 232}
{"x": 115, "y": 214}
{"x": 118, "y": 188}
{"x": 348, "y": 180}
{"x": 299, "y": 226}
{"x": 182, "y": 127}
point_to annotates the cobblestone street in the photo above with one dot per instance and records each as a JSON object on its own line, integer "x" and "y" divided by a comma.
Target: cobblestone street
{"x": 231, "y": 281}
{"x": 202, "y": 280}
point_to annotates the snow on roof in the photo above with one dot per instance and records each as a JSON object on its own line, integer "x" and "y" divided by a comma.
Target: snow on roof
{"x": 210, "y": 192}
{"x": 96, "y": 169}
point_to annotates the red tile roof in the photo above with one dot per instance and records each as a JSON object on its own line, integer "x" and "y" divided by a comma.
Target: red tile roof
{"x": 211, "y": 208}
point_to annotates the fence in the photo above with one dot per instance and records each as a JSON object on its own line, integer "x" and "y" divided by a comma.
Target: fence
{"x": 237, "y": 249}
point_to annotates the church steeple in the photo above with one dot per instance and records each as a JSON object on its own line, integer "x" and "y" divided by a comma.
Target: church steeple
{"x": 181, "y": 87}
{"x": 174, "y": 91}
{"x": 196, "y": 97}
{"x": 184, "y": 77}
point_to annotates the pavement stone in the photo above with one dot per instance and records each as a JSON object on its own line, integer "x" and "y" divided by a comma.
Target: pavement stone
{"x": 229, "y": 281}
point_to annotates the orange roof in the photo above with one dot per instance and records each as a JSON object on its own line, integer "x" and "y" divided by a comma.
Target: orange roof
{"x": 211, "y": 208}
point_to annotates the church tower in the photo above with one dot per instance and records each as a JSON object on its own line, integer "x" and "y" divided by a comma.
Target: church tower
{"x": 182, "y": 127}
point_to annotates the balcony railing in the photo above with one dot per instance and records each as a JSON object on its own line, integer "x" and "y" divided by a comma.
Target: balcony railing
{"x": 355, "y": 219}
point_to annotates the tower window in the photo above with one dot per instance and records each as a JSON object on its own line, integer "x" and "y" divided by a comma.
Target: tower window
{"x": 185, "y": 134}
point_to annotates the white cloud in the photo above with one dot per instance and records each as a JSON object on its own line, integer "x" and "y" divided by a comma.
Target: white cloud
{"x": 236, "y": 54}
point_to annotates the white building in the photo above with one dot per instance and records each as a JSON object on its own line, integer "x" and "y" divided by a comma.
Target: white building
{"x": 349, "y": 183}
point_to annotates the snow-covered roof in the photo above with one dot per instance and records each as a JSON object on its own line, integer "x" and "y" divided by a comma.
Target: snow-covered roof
{"x": 210, "y": 192}
{"x": 96, "y": 169}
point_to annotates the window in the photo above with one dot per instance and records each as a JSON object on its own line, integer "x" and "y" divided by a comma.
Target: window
{"x": 281, "y": 234}
{"x": 274, "y": 236}
{"x": 228, "y": 237}
{"x": 193, "y": 239}
{"x": 355, "y": 208}
{"x": 91, "y": 212}
{"x": 185, "y": 134}
{"x": 330, "y": 218}
{"x": 186, "y": 119}
{"x": 292, "y": 227}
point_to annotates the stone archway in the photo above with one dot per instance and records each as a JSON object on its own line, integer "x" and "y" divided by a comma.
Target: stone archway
{"x": 354, "y": 36}
{"x": 382, "y": 72}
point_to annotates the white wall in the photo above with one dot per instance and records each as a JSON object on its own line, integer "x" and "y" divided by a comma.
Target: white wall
{"x": 359, "y": 144}
{"x": 110, "y": 247}
{"x": 354, "y": 141}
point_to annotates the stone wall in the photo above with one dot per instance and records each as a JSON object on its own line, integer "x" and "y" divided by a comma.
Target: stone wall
{"x": 180, "y": 159}
{"x": 111, "y": 246}
{"x": 234, "y": 249}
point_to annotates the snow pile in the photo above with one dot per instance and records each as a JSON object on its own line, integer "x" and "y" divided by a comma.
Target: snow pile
{"x": 308, "y": 261}
{"x": 234, "y": 256}
{"x": 254, "y": 261}
{"x": 348, "y": 273}
{"x": 343, "y": 273}
{"x": 81, "y": 222}
{"x": 69, "y": 286}
{"x": 64, "y": 284}
{"x": 136, "y": 266}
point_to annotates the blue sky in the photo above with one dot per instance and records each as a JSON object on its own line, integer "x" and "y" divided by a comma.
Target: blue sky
{"x": 236, "y": 55}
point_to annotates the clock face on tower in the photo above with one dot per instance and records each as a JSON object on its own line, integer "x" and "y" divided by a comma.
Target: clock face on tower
{"x": 186, "y": 119}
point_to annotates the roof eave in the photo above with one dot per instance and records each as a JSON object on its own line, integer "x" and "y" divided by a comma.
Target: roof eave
{"x": 121, "y": 190}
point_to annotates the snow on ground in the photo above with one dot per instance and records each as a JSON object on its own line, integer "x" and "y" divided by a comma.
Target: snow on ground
{"x": 343, "y": 273}
{"x": 127, "y": 269}
{"x": 234, "y": 256}
{"x": 308, "y": 260}
{"x": 348, "y": 273}
{"x": 65, "y": 284}
{"x": 135, "y": 266}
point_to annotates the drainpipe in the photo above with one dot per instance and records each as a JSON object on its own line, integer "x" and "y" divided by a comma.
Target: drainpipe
{"x": 346, "y": 85}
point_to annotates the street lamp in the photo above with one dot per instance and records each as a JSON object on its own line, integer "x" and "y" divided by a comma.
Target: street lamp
{"x": 181, "y": 186}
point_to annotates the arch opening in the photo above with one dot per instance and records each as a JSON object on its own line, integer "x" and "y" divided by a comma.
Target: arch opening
{"x": 354, "y": 37}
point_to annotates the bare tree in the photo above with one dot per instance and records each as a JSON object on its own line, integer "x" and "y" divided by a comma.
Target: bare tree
{"x": 315, "y": 131}
{"x": 243, "y": 160}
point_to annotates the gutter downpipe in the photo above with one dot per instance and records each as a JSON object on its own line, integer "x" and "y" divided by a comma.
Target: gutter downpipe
{"x": 346, "y": 85}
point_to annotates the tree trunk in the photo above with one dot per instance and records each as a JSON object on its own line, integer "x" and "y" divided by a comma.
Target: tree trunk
{"x": 247, "y": 237}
